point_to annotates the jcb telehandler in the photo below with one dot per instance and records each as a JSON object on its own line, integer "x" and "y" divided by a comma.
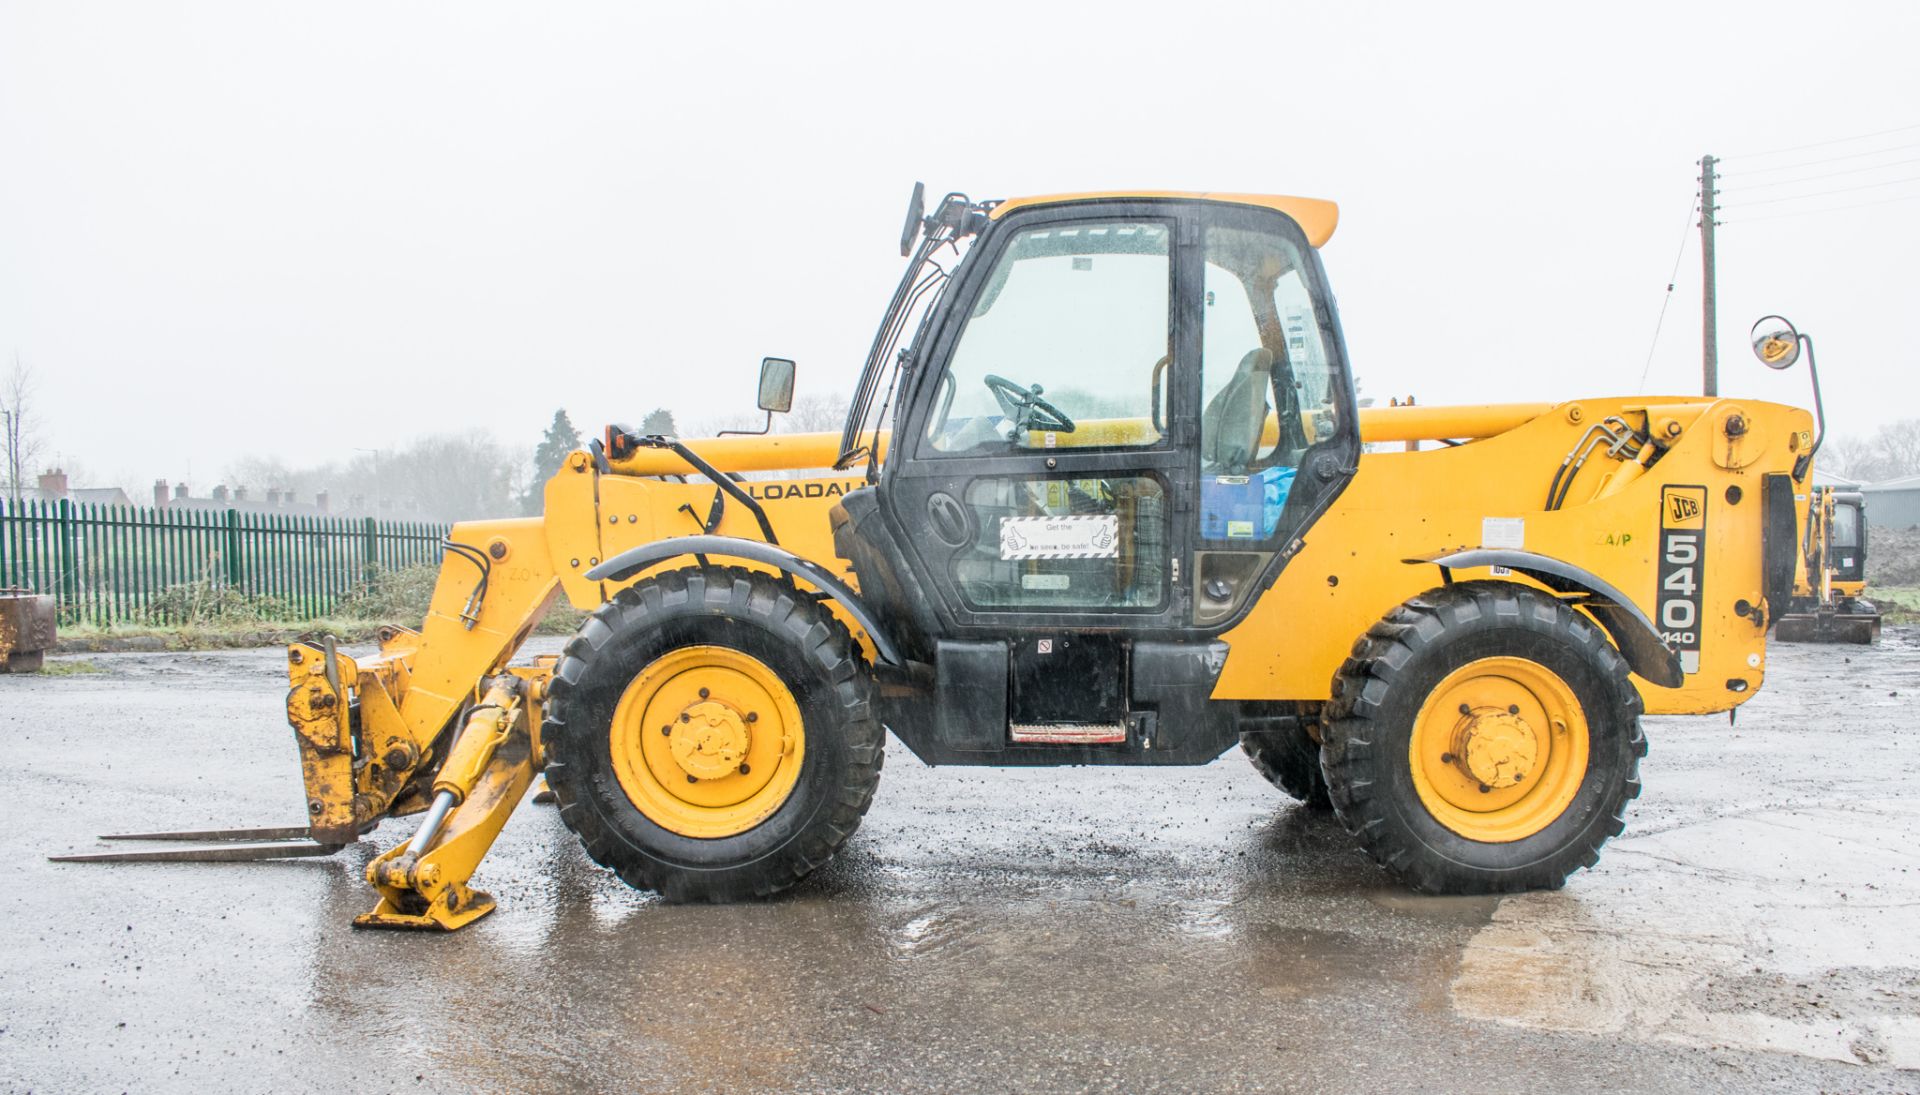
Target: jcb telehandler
{"x": 1108, "y": 506}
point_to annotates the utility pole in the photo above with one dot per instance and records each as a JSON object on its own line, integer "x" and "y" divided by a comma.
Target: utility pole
{"x": 1709, "y": 332}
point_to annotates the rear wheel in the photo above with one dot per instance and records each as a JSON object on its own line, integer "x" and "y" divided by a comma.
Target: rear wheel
{"x": 710, "y": 735}
{"x": 1483, "y": 738}
{"x": 1284, "y": 752}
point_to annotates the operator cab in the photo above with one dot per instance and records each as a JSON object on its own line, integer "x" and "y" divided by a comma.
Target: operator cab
{"x": 1847, "y": 542}
{"x": 1116, "y": 420}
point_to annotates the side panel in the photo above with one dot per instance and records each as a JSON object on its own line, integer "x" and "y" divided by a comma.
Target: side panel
{"x": 1491, "y": 493}
{"x": 635, "y": 511}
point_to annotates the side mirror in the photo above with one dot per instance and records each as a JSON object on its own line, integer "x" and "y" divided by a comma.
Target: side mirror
{"x": 916, "y": 209}
{"x": 1775, "y": 342}
{"x": 776, "y": 385}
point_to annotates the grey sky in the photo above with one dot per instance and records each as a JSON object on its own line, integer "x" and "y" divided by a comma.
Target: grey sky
{"x": 248, "y": 228}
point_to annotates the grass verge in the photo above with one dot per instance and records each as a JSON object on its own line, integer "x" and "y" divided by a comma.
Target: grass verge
{"x": 200, "y": 616}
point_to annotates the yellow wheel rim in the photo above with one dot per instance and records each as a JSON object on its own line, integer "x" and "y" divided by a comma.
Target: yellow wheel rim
{"x": 1499, "y": 749}
{"x": 707, "y": 742}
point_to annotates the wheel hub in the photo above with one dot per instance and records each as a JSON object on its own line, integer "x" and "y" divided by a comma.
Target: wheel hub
{"x": 1495, "y": 748}
{"x": 1498, "y": 749}
{"x": 710, "y": 739}
{"x": 707, "y": 741}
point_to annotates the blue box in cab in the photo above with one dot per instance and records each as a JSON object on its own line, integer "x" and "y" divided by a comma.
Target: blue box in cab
{"x": 1243, "y": 507}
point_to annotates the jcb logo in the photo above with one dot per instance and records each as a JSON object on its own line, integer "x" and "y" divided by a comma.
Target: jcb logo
{"x": 1683, "y": 507}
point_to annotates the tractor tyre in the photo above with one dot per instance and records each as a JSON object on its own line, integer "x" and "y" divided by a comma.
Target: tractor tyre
{"x": 710, "y": 734}
{"x": 1290, "y": 759}
{"x": 1483, "y": 738}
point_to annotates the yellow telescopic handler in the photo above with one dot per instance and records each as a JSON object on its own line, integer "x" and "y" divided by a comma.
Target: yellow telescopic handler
{"x": 1110, "y": 504}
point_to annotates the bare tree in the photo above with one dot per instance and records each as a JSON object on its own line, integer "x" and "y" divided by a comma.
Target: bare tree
{"x": 454, "y": 477}
{"x": 20, "y": 425}
{"x": 1897, "y": 447}
{"x": 814, "y": 414}
{"x": 1852, "y": 457}
{"x": 1893, "y": 452}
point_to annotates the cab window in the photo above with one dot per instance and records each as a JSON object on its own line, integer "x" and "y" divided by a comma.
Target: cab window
{"x": 1066, "y": 345}
{"x": 1269, "y": 389}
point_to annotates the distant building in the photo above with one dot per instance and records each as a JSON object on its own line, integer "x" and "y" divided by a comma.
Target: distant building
{"x": 1834, "y": 482}
{"x": 53, "y": 488}
{"x": 1894, "y": 503}
{"x": 272, "y": 500}
{"x": 176, "y": 496}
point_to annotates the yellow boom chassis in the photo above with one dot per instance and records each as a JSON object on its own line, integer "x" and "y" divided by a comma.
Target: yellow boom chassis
{"x": 441, "y": 721}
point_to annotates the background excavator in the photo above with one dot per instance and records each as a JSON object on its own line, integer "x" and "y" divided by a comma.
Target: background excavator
{"x": 1109, "y": 505}
{"x": 1830, "y": 581}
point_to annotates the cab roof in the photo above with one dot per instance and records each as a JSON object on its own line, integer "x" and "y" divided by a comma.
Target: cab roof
{"x": 1316, "y": 218}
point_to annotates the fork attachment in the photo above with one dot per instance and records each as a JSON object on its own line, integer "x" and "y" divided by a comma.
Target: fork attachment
{"x": 213, "y": 846}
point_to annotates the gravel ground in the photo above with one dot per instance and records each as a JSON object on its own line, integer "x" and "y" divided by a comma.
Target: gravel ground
{"x": 1073, "y": 929}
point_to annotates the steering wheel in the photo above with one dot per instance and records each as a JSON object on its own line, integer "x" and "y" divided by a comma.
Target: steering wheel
{"x": 1025, "y": 407}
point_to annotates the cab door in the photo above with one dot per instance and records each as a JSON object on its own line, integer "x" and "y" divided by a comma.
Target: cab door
{"x": 1043, "y": 473}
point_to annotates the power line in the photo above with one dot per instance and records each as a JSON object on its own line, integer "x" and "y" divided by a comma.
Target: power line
{"x": 1819, "y": 160}
{"x": 1829, "y": 209}
{"x": 1824, "y": 193}
{"x": 1828, "y": 175}
{"x": 1823, "y": 144}
{"x": 1673, "y": 276}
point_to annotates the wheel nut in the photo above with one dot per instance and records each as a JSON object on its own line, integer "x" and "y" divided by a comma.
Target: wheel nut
{"x": 1446, "y": 758}
{"x": 1483, "y": 788}
{"x": 753, "y": 716}
{"x": 1513, "y": 709}
{"x": 1465, "y": 710}
{"x": 743, "y": 768}
{"x": 1518, "y": 777}
{"x": 667, "y": 730}
{"x": 684, "y": 717}
{"x": 703, "y": 693}
{"x": 696, "y": 779}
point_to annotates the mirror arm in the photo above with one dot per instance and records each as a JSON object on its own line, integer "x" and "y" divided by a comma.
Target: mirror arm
{"x": 1819, "y": 409}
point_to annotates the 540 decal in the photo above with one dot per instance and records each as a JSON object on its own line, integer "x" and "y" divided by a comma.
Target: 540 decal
{"x": 1683, "y": 536}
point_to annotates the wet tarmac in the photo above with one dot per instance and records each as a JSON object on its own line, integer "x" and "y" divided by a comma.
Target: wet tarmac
{"x": 1757, "y": 927}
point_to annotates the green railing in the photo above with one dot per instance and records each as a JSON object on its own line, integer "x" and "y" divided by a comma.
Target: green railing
{"x": 118, "y": 563}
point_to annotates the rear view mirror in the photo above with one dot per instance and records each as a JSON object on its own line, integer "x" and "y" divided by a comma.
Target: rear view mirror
{"x": 916, "y": 209}
{"x": 1775, "y": 342}
{"x": 776, "y": 385}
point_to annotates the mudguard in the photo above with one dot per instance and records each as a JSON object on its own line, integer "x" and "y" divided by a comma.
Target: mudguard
{"x": 634, "y": 560}
{"x": 1632, "y": 632}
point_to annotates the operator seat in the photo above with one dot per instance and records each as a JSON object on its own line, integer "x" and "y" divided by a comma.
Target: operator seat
{"x": 1234, "y": 418}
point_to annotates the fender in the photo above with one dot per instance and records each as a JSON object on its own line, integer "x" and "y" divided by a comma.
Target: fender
{"x": 634, "y": 560}
{"x": 1632, "y": 632}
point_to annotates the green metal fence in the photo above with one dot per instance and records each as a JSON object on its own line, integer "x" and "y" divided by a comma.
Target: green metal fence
{"x": 119, "y": 563}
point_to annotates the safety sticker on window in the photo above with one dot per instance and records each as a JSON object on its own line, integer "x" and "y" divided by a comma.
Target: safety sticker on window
{"x": 1094, "y": 536}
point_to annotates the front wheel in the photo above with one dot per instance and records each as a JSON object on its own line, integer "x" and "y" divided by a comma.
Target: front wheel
{"x": 710, "y": 735}
{"x": 1483, "y": 738}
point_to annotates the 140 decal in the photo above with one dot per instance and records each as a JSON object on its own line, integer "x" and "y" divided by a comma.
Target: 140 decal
{"x": 1683, "y": 532}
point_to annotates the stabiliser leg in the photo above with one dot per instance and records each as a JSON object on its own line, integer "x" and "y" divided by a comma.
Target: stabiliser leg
{"x": 423, "y": 882}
